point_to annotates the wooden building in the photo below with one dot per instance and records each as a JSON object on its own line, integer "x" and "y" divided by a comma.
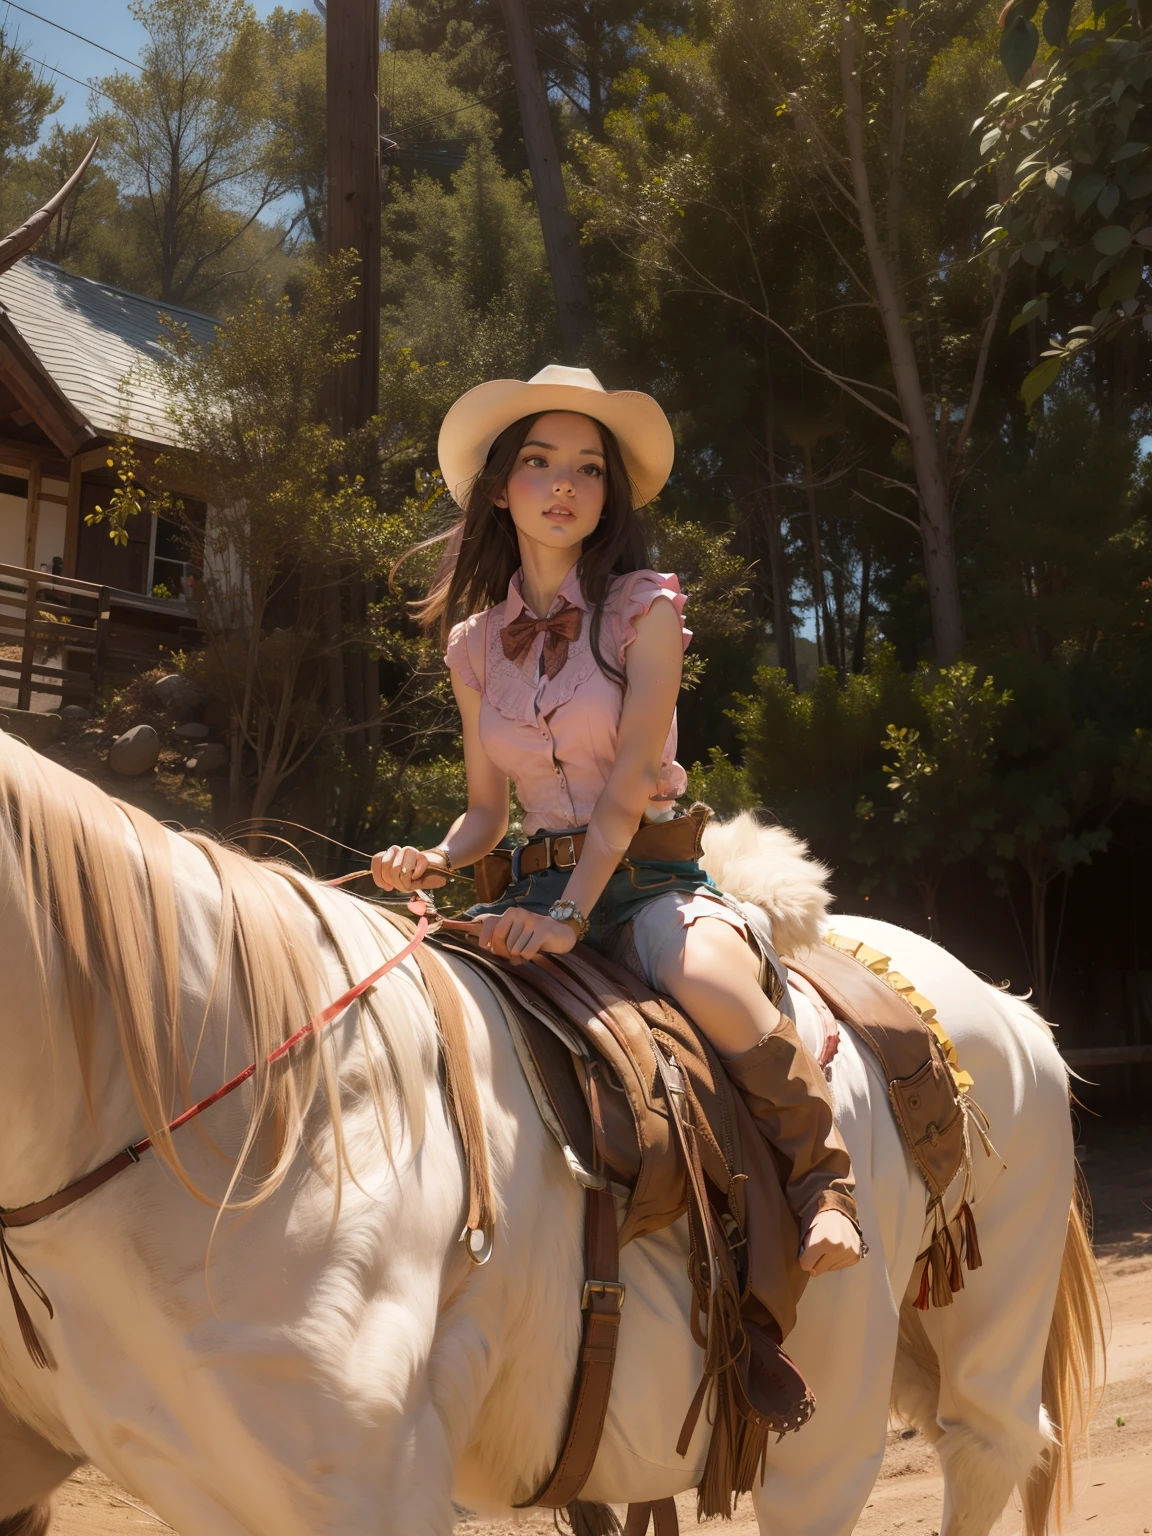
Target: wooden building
{"x": 77, "y": 368}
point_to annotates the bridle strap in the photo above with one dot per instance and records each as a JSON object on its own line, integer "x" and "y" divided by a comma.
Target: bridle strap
{"x": 25, "y": 1215}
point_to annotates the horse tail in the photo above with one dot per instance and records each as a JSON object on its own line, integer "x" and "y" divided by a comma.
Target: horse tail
{"x": 1073, "y": 1370}
{"x": 30, "y": 1522}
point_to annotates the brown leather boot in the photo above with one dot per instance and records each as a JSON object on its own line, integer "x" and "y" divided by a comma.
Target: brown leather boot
{"x": 787, "y": 1095}
{"x": 774, "y": 1387}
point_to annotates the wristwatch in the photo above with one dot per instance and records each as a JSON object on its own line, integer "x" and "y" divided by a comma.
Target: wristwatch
{"x": 569, "y": 912}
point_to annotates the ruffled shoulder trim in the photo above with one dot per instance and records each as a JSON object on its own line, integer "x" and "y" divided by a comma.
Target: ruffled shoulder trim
{"x": 636, "y": 594}
{"x": 465, "y": 653}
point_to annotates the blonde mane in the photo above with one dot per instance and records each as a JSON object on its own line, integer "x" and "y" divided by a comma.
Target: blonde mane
{"x": 96, "y": 880}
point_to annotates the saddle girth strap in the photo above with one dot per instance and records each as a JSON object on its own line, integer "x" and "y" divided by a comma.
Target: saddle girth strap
{"x": 662, "y": 1515}
{"x": 602, "y": 1300}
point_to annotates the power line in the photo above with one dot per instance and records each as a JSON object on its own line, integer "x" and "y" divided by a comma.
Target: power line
{"x": 422, "y": 122}
{"x": 12, "y": 6}
{"x": 63, "y": 73}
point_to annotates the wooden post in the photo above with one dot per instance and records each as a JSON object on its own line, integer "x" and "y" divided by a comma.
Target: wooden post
{"x": 32, "y": 516}
{"x": 28, "y": 652}
{"x": 561, "y": 243}
{"x": 72, "y": 516}
{"x": 100, "y": 648}
{"x": 353, "y": 123}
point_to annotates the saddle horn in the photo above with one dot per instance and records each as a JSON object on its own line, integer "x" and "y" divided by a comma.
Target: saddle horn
{"x": 21, "y": 240}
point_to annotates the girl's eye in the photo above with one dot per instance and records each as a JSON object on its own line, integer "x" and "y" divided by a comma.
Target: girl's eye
{"x": 535, "y": 461}
{"x": 591, "y": 469}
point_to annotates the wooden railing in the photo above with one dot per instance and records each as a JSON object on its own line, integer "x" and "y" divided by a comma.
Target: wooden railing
{"x": 71, "y": 634}
{"x": 38, "y": 611}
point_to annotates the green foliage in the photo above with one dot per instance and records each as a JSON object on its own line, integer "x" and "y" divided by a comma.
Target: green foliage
{"x": 252, "y": 443}
{"x": 83, "y": 235}
{"x": 26, "y": 98}
{"x": 1059, "y": 539}
{"x": 196, "y": 153}
{"x": 940, "y": 778}
{"x": 722, "y": 785}
{"x": 128, "y": 496}
{"x": 1069, "y": 154}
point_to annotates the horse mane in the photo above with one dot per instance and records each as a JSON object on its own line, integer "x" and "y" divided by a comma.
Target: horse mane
{"x": 97, "y": 880}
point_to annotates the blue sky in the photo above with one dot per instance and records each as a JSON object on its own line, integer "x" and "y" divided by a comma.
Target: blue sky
{"x": 105, "y": 21}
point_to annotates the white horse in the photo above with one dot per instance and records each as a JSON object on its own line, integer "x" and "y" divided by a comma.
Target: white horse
{"x": 318, "y": 1355}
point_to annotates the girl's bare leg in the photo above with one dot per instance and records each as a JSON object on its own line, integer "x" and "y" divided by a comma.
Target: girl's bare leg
{"x": 714, "y": 976}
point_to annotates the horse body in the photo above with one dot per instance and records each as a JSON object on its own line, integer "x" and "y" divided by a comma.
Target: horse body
{"x": 328, "y": 1359}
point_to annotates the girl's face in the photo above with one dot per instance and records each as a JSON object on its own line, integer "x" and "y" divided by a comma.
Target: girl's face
{"x": 555, "y": 491}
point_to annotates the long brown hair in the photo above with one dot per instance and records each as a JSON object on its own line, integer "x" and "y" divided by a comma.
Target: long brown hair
{"x": 483, "y": 553}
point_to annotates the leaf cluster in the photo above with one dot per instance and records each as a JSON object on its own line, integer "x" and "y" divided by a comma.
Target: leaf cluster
{"x": 1069, "y": 154}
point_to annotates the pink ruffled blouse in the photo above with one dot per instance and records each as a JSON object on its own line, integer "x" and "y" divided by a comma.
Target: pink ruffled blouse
{"x": 555, "y": 737}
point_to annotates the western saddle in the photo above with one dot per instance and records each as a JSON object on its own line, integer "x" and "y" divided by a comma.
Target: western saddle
{"x": 639, "y": 1104}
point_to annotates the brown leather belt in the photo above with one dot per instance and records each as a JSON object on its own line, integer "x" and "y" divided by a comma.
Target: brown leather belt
{"x": 677, "y": 841}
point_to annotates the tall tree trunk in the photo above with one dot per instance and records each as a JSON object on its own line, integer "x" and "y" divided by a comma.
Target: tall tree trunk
{"x": 782, "y": 631}
{"x": 825, "y": 638}
{"x": 353, "y": 224}
{"x": 353, "y": 157}
{"x": 561, "y": 243}
{"x": 861, "y": 640}
{"x": 931, "y": 477}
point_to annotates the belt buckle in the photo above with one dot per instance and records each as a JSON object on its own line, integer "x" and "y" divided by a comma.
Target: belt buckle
{"x": 555, "y": 859}
{"x": 602, "y": 1288}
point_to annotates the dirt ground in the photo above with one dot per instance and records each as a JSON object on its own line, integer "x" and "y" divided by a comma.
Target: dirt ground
{"x": 1113, "y": 1474}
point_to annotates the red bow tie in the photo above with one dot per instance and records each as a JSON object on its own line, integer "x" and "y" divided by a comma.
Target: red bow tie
{"x": 559, "y": 630}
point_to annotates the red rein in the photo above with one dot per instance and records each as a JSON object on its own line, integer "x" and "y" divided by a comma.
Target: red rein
{"x": 25, "y": 1215}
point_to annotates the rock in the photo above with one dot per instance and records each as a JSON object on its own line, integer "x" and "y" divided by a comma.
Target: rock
{"x": 39, "y": 731}
{"x": 211, "y": 758}
{"x": 135, "y": 752}
{"x": 192, "y": 730}
{"x": 176, "y": 695}
{"x": 75, "y": 712}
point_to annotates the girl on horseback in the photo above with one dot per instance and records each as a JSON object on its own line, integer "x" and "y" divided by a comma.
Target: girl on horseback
{"x": 565, "y": 651}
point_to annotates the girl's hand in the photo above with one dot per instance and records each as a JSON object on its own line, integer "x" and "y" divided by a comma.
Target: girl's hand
{"x": 521, "y": 936}
{"x": 408, "y": 869}
{"x": 832, "y": 1243}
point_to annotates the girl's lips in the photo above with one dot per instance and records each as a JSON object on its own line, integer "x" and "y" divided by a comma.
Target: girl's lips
{"x": 560, "y": 512}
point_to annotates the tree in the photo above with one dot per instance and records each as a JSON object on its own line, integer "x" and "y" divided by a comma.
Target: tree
{"x": 26, "y": 99}
{"x": 1069, "y": 158}
{"x": 789, "y": 109}
{"x": 561, "y": 241}
{"x": 941, "y": 778}
{"x": 82, "y": 235}
{"x": 192, "y": 144}
{"x": 250, "y": 438}
{"x": 295, "y": 74}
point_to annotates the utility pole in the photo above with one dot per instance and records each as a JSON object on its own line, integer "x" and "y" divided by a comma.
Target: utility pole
{"x": 561, "y": 244}
{"x": 353, "y": 223}
{"x": 353, "y": 124}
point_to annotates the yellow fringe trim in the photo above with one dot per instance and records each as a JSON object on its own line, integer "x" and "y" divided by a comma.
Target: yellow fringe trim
{"x": 879, "y": 964}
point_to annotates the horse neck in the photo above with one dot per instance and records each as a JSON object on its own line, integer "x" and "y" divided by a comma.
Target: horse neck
{"x": 58, "y": 1120}
{"x": 63, "y": 1115}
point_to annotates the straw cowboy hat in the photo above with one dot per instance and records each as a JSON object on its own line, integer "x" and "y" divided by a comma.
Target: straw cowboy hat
{"x": 477, "y": 419}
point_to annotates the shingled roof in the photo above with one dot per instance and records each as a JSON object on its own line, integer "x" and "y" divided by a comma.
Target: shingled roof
{"x": 93, "y": 344}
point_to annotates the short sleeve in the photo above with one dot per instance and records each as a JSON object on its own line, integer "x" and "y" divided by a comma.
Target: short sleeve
{"x": 638, "y": 592}
{"x": 461, "y": 643}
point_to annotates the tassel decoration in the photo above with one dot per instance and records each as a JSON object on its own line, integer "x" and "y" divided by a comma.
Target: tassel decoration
{"x": 32, "y": 1341}
{"x": 968, "y": 1239}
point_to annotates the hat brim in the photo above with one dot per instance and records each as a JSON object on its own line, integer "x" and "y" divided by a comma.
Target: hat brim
{"x": 477, "y": 419}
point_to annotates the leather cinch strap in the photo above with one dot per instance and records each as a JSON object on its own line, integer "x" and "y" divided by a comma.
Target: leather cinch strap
{"x": 603, "y": 1297}
{"x": 661, "y": 1514}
